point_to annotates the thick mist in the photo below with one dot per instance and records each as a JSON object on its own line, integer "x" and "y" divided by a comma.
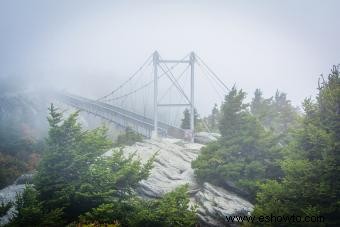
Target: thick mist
{"x": 90, "y": 49}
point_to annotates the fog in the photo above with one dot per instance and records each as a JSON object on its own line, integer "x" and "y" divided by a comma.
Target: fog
{"x": 91, "y": 47}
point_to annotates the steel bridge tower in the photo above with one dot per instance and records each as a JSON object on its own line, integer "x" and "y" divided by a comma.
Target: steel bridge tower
{"x": 190, "y": 102}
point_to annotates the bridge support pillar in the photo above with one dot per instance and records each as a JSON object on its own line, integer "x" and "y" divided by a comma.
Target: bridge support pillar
{"x": 192, "y": 96}
{"x": 155, "y": 100}
{"x": 190, "y": 101}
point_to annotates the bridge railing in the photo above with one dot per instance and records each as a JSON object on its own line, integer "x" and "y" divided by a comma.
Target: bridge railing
{"x": 121, "y": 117}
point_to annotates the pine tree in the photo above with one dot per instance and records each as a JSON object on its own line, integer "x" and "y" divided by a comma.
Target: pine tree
{"x": 57, "y": 172}
{"x": 256, "y": 106}
{"x": 245, "y": 154}
{"x": 186, "y": 119}
{"x": 214, "y": 118}
{"x": 275, "y": 113}
{"x": 73, "y": 176}
{"x": 311, "y": 185}
{"x": 30, "y": 211}
{"x": 75, "y": 180}
{"x": 172, "y": 209}
{"x": 128, "y": 138}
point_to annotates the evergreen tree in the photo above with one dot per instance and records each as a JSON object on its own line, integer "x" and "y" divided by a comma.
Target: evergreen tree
{"x": 128, "y": 138}
{"x": 171, "y": 210}
{"x": 73, "y": 176}
{"x": 4, "y": 207}
{"x": 75, "y": 179}
{"x": 262, "y": 108}
{"x": 186, "y": 119}
{"x": 30, "y": 211}
{"x": 214, "y": 118}
{"x": 311, "y": 185}
{"x": 285, "y": 112}
{"x": 244, "y": 155}
{"x": 275, "y": 114}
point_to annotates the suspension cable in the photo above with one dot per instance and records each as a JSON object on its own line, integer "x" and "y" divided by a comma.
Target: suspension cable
{"x": 143, "y": 86}
{"x": 179, "y": 77}
{"x": 212, "y": 72}
{"x": 173, "y": 79}
{"x": 128, "y": 80}
{"x": 211, "y": 77}
{"x": 211, "y": 80}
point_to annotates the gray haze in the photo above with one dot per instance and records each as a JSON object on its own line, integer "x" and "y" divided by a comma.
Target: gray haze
{"x": 90, "y": 47}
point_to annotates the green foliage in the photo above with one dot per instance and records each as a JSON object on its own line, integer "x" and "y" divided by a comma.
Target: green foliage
{"x": 73, "y": 176}
{"x": 249, "y": 150}
{"x": 246, "y": 153}
{"x": 171, "y": 210}
{"x": 210, "y": 122}
{"x": 115, "y": 176}
{"x": 213, "y": 119}
{"x": 10, "y": 168}
{"x": 186, "y": 119}
{"x": 17, "y": 151}
{"x": 30, "y": 212}
{"x": 4, "y": 207}
{"x": 128, "y": 138}
{"x": 275, "y": 113}
{"x": 311, "y": 185}
{"x": 75, "y": 179}
{"x": 68, "y": 156}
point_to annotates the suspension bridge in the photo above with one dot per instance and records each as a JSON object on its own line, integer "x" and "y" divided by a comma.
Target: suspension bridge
{"x": 143, "y": 101}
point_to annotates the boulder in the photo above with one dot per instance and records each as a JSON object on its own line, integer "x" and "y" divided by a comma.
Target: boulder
{"x": 206, "y": 137}
{"x": 10, "y": 193}
{"x": 172, "y": 168}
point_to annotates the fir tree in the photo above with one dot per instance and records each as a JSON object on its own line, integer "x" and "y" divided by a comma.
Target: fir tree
{"x": 128, "y": 138}
{"x": 214, "y": 118}
{"x": 171, "y": 210}
{"x": 186, "y": 119}
{"x": 31, "y": 213}
{"x": 244, "y": 155}
{"x": 73, "y": 176}
{"x": 311, "y": 185}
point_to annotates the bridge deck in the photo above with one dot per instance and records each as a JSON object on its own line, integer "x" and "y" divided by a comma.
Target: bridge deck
{"x": 120, "y": 116}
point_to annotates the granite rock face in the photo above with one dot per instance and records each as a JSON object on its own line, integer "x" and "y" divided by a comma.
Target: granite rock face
{"x": 206, "y": 137}
{"x": 172, "y": 168}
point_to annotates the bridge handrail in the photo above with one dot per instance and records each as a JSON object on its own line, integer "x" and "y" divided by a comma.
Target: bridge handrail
{"x": 119, "y": 110}
{"x": 107, "y": 108}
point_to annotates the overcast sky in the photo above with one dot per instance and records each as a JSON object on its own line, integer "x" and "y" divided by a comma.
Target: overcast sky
{"x": 90, "y": 47}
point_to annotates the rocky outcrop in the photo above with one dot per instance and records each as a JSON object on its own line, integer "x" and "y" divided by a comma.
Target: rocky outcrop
{"x": 206, "y": 137}
{"x": 26, "y": 178}
{"x": 172, "y": 168}
{"x": 7, "y": 195}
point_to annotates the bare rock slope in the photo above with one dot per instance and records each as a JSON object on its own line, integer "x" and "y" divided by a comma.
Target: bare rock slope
{"x": 172, "y": 168}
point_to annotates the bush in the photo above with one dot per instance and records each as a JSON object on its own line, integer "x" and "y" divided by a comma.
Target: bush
{"x": 4, "y": 207}
{"x": 171, "y": 210}
{"x": 30, "y": 212}
{"x": 128, "y": 138}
